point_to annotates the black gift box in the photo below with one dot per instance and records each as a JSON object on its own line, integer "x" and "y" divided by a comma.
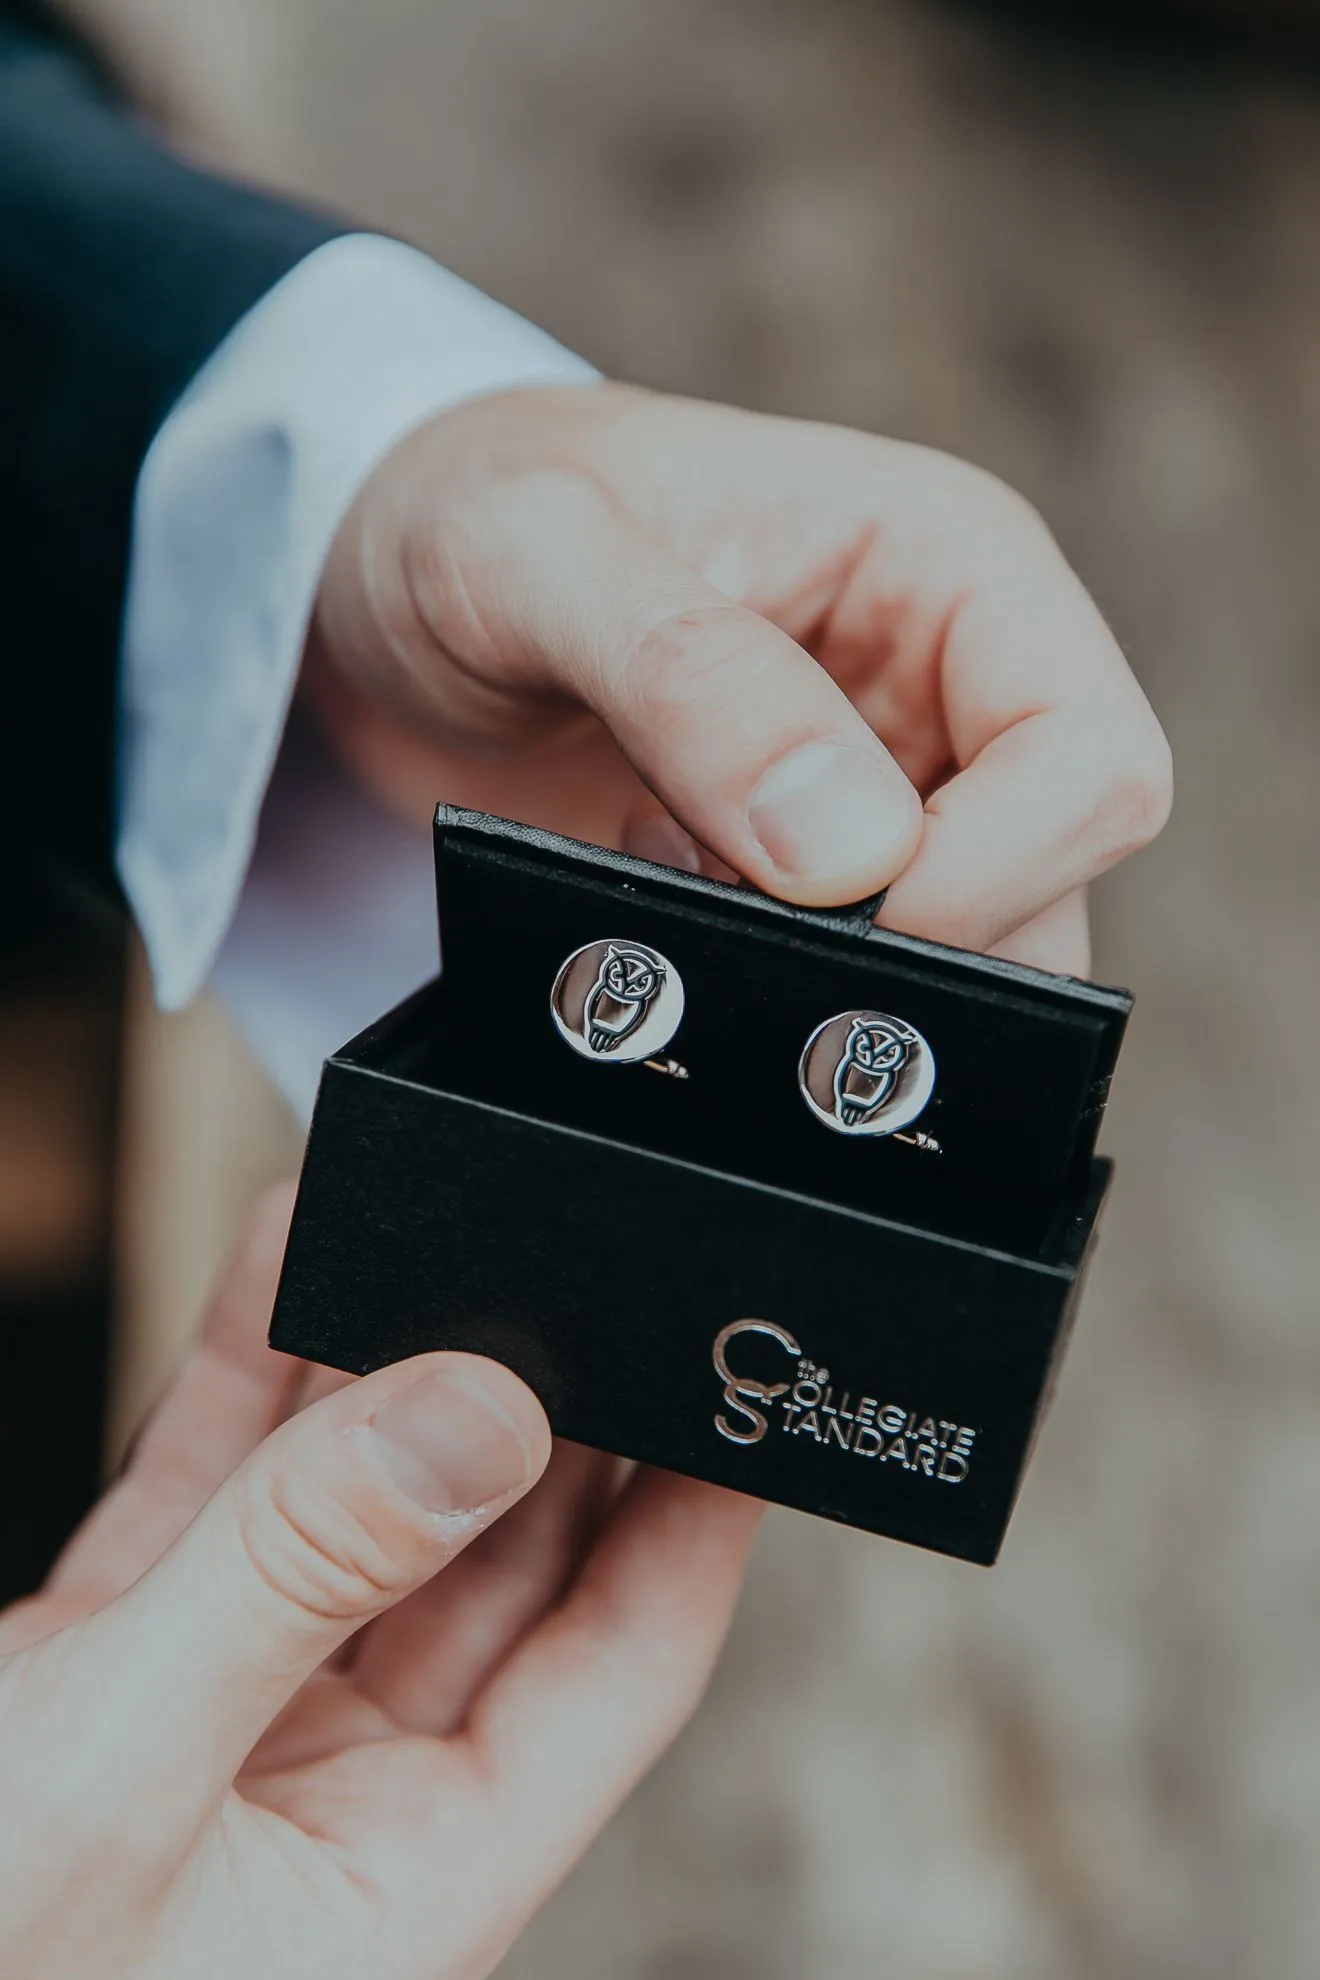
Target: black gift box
{"x": 683, "y": 1262}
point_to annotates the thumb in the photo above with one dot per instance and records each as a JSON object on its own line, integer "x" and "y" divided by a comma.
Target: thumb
{"x": 342, "y": 1512}
{"x": 743, "y": 737}
{"x": 746, "y": 741}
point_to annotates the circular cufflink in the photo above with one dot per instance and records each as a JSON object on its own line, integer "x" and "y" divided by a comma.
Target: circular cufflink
{"x": 617, "y": 1002}
{"x": 864, "y": 1072}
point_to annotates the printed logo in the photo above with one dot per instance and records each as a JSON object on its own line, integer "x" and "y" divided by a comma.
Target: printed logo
{"x": 616, "y": 1002}
{"x": 627, "y": 986}
{"x": 741, "y": 1391}
{"x": 808, "y": 1406}
{"x": 864, "y": 1073}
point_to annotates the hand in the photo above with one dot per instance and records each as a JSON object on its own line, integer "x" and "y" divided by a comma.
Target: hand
{"x": 819, "y": 659}
{"x": 282, "y": 1741}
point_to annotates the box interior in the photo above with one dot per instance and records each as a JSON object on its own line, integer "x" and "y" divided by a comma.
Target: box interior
{"x": 426, "y": 1044}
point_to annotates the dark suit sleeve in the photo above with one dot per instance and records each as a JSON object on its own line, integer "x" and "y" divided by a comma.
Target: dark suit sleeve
{"x": 121, "y": 270}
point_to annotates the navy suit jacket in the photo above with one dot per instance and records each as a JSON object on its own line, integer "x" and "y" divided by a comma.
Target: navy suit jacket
{"x": 121, "y": 270}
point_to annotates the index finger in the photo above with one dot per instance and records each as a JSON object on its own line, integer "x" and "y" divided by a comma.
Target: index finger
{"x": 593, "y": 1696}
{"x": 1060, "y": 768}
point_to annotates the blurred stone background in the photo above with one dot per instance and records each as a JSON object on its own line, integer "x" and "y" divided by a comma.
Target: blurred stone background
{"x": 1091, "y": 261}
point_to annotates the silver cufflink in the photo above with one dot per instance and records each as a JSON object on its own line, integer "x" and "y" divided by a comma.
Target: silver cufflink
{"x": 618, "y": 1003}
{"x": 864, "y": 1072}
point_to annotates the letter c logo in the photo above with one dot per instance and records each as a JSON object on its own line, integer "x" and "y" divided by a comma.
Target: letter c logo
{"x": 741, "y": 1391}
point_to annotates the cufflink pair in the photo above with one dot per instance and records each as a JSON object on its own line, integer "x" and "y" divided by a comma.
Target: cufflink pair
{"x": 860, "y": 1073}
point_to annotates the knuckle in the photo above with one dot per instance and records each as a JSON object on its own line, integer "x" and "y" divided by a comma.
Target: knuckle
{"x": 430, "y": 588}
{"x": 681, "y": 1678}
{"x": 1139, "y": 798}
{"x": 1002, "y": 500}
{"x": 993, "y": 503}
{"x": 314, "y": 1554}
{"x": 488, "y": 566}
{"x": 665, "y": 1658}
{"x": 682, "y": 659}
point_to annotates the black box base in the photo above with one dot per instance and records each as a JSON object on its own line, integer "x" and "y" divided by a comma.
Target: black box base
{"x": 903, "y": 1372}
{"x": 692, "y": 1271}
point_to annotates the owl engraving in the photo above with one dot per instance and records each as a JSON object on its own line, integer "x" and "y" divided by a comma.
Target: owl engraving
{"x": 625, "y": 988}
{"x": 867, "y": 1074}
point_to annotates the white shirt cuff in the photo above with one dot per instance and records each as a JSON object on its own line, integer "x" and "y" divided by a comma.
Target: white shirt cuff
{"x": 336, "y": 922}
{"x": 237, "y": 504}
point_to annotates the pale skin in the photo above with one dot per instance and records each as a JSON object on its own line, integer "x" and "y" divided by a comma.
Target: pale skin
{"x": 821, "y": 660}
{"x": 328, "y": 1730}
{"x": 342, "y": 1677}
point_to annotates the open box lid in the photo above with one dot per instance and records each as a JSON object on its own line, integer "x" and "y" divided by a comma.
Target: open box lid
{"x": 1023, "y": 1058}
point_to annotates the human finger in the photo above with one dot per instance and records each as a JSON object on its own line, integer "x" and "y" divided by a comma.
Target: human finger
{"x": 339, "y": 1514}
{"x": 590, "y": 1699}
{"x": 426, "y": 1661}
{"x": 558, "y": 597}
{"x": 1060, "y": 766}
{"x": 1058, "y": 939}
